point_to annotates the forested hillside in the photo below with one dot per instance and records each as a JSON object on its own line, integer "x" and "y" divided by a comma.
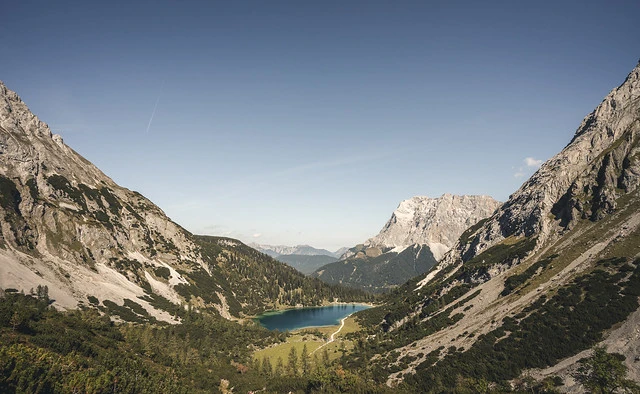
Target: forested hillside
{"x": 42, "y": 350}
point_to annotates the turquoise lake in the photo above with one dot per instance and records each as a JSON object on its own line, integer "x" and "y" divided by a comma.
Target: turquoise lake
{"x": 294, "y": 319}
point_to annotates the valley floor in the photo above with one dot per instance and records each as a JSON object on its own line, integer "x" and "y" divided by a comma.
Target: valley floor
{"x": 329, "y": 339}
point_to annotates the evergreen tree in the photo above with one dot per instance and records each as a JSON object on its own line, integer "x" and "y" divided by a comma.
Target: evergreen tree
{"x": 292, "y": 365}
{"x": 267, "y": 370}
{"x": 604, "y": 373}
{"x": 316, "y": 362}
{"x": 279, "y": 367}
{"x": 343, "y": 349}
{"x": 304, "y": 360}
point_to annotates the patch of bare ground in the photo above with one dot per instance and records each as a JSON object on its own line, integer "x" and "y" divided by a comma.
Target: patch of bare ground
{"x": 23, "y": 272}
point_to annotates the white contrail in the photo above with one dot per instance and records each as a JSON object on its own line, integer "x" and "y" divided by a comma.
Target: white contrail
{"x": 154, "y": 108}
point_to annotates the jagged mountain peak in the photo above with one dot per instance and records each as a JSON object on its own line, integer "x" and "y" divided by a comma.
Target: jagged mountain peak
{"x": 437, "y": 222}
{"x": 32, "y": 149}
{"x": 65, "y": 219}
{"x": 420, "y": 231}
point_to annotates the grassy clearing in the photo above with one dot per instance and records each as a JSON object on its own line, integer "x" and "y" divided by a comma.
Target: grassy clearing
{"x": 512, "y": 240}
{"x": 350, "y": 325}
{"x": 282, "y": 350}
{"x": 313, "y": 341}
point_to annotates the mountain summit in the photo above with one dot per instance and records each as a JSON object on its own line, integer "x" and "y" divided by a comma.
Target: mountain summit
{"x": 435, "y": 222}
{"x": 68, "y": 226}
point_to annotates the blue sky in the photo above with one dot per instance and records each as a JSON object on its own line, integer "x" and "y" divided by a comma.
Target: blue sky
{"x": 308, "y": 122}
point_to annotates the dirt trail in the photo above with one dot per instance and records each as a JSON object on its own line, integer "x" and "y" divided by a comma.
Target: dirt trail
{"x": 333, "y": 336}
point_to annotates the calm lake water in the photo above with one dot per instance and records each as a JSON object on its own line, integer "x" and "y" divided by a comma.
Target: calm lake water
{"x": 293, "y": 319}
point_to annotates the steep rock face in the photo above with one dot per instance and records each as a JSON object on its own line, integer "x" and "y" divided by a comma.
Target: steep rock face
{"x": 63, "y": 215}
{"x": 582, "y": 181}
{"x": 435, "y": 222}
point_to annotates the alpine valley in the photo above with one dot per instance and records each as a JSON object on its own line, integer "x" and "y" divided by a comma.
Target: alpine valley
{"x": 104, "y": 293}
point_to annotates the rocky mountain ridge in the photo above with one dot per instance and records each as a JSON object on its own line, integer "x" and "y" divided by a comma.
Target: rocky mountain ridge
{"x": 63, "y": 215}
{"x": 68, "y": 226}
{"x": 435, "y": 222}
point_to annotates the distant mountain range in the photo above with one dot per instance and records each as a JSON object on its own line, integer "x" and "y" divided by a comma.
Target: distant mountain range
{"x": 304, "y": 258}
{"x": 306, "y": 264}
{"x": 420, "y": 231}
{"x": 303, "y": 250}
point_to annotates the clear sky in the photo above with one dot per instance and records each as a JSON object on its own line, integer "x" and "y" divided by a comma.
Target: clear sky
{"x": 309, "y": 121}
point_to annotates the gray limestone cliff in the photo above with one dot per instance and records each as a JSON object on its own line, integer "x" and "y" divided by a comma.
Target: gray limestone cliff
{"x": 420, "y": 231}
{"x": 435, "y": 222}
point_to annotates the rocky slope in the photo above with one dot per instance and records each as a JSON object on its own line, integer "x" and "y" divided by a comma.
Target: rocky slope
{"x": 420, "y": 231}
{"x": 583, "y": 181}
{"x": 67, "y": 226}
{"x": 554, "y": 271}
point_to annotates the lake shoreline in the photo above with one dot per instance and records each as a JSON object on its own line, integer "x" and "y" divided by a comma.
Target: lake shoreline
{"x": 309, "y": 318}
{"x": 293, "y": 308}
